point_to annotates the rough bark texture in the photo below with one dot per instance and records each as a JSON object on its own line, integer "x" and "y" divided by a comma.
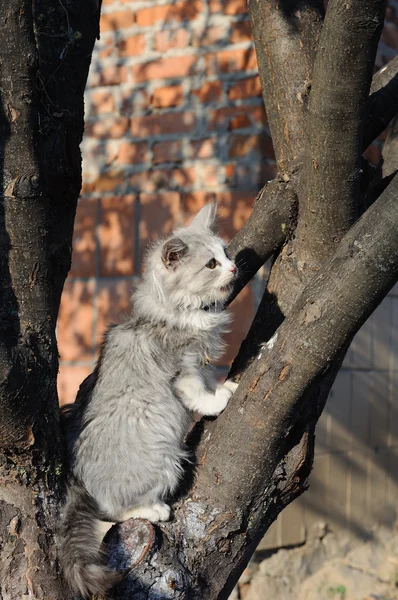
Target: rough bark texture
{"x": 41, "y": 125}
{"x": 335, "y": 124}
{"x": 286, "y": 37}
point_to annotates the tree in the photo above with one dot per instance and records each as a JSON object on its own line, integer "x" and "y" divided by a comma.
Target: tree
{"x": 328, "y": 220}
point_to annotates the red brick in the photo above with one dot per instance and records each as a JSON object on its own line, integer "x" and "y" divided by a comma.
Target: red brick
{"x": 69, "y": 379}
{"x": 132, "y": 46}
{"x": 234, "y": 7}
{"x": 75, "y": 325}
{"x": 210, "y": 36}
{"x": 245, "y": 88}
{"x": 211, "y": 175}
{"x": 105, "y": 182}
{"x": 192, "y": 202}
{"x": 133, "y": 152}
{"x": 228, "y": 7}
{"x": 133, "y": 100}
{"x": 102, "y": 103}
{"x": 169, "y": 38}
{"x": 144, "y": 182}
{"x": 147, "y": 17}
{"x": 183, "y": 177}
{"x": 221, "y": 118}
{"x": 241, "y": 145}
{"x": 202, "y": 148}
{"x": 107, "y": 48}
{"x": 209, "y": 92}
{"x": 116, "y": 234}
{"x": 215, "y": 6}
{"x": 162, "y": 179}
{"x": 160, "y": 214}
{"x": 228, "y": 61}
{"x": 170, "y": 151}
{"x": 241, "y": 32}
{"x": 167, "y": 96}
{"x": 243, "y": 309}
{"x": 107, "y": 128}
{"x": 84, "y": 239}
{"x": 164, "y": 68}
{"x": 116, "y": 20}
{"x": 234, "y": 207}
{"x": 239, "y": 122}
{"x": 114, "y": 75}
{"x": 113, "y": 304}
{"x": 229, "y": 172}
{"x": 163, "y": 124}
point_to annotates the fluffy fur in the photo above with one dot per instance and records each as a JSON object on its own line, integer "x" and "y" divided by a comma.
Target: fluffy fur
{"x": 126, "y": 430}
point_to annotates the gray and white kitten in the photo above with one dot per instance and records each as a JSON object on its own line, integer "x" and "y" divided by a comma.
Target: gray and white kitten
{"x": 126, "y": 430}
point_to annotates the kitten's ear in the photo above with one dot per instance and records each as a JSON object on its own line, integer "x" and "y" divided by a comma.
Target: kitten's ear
{"x": 173, "y": 251}
{"x": 206, "y": 217}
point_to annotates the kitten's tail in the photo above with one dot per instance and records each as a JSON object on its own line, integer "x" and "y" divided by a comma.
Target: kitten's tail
{"x": 81, "y": 557}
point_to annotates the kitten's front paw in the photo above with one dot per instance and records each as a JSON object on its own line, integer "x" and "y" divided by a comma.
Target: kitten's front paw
{"x": 222, "y": 396}
{"x": 231, "y": 385}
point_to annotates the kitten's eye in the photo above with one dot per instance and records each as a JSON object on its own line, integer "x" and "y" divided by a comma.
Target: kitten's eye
{"x": 212, "y": 263}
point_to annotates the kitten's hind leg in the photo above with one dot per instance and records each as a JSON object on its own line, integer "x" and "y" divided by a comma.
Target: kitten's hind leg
{"x": 154, "y": 513}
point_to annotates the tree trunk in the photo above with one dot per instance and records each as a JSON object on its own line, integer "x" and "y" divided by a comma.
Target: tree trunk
{"x": 42, "y": 50}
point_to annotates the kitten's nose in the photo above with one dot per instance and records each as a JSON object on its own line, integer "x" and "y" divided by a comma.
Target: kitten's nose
{"x": 233, "y": 269}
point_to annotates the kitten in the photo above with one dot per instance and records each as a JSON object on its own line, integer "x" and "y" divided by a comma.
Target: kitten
{"x": 126, "y": 430}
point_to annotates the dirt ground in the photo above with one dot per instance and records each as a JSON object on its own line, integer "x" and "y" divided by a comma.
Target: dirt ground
{"x": 330, "y": 566}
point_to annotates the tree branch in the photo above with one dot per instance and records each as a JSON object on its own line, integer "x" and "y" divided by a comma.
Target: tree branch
{"x": 285, "y": 39}
{"x": 382, "y": 104}
{"x": 263, "y": 233}
{"x": 336, "y": 114}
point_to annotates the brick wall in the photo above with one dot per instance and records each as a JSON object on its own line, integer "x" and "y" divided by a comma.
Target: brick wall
{"x": 174, "y": 117}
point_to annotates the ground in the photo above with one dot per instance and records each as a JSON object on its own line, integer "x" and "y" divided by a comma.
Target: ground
{"x": 330, "y": 566}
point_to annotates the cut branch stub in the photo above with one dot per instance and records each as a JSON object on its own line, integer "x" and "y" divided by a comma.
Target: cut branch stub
{"x": 148, "y": 559}
{"x": 127, "y": 544}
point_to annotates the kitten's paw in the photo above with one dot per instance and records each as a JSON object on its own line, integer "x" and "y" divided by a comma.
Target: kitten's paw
{"x": 221, "y": 399}
{"x": 231, "y": 385}
{"x": 154, "y": 513}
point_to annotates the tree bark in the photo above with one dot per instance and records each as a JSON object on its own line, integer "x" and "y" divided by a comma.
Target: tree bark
{"x": 44, "y": 60}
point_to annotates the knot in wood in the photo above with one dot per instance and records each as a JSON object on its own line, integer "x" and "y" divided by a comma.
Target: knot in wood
{"x": 24, "y": 186}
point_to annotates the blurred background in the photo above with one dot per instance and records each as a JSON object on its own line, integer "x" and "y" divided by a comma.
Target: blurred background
{"x": 174, "y": 118}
